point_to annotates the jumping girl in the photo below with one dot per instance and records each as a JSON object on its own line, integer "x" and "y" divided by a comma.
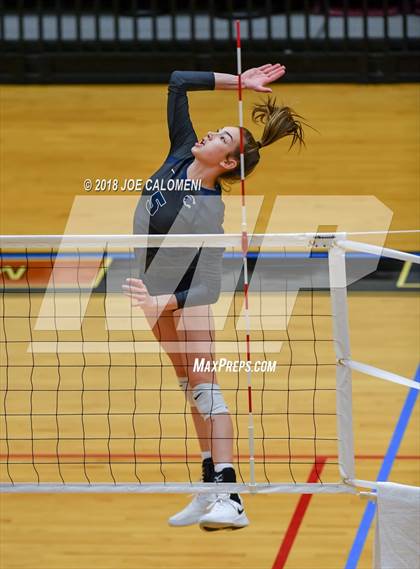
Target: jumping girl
{"x": 177, "y": 285}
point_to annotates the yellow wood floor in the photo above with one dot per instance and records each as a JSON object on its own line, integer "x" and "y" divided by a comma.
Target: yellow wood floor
{"x": 55, "y": 137}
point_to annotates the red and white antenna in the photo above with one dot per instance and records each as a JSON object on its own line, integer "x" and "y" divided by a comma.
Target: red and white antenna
{"x": 245, "y": 244}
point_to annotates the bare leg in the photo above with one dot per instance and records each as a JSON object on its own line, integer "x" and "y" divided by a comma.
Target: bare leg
{"x": 214, "y": 511}
{"x": 201, "y": 430}
{"x": 195, "y": 325}
{"x": 165, "y": 331}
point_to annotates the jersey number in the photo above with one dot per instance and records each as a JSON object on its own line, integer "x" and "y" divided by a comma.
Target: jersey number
{"x": 154, "y": 202}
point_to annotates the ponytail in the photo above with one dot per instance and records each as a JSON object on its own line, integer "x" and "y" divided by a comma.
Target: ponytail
{"x": 278, "y": 122}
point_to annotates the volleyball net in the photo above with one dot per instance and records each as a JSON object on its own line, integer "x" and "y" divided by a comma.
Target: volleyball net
{"x": 90, "y": 399}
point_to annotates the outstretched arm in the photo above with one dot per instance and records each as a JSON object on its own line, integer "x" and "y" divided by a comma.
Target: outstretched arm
{"x": 254, "y": 79}
{"x": 181, "y": 131}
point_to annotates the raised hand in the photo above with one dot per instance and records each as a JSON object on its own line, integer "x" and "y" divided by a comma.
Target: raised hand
{"x": 258, "y": 77}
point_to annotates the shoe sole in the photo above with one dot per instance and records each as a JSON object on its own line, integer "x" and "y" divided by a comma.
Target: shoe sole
{"x": 218, "y": 526}
{"x": 182, "y": 525}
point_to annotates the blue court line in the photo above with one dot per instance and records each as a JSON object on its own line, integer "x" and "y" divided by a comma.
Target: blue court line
{"x": 228, "y": 255}
{"x": 369, "y": 514}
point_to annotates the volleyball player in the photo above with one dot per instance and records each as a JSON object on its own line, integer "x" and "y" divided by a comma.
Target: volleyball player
{"x": 178, "y": 285}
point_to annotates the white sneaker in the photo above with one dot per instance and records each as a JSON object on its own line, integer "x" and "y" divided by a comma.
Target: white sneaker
{"x": 224, "y": 514}
{"x": 192, "y": 513}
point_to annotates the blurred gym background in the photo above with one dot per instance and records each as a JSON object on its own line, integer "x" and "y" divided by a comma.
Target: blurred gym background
{"x": 112, "y": 41}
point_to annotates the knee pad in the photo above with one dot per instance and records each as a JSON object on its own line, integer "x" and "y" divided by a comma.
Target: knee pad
{"x": 184, "y": 385}
{"x": 209, "y": 400}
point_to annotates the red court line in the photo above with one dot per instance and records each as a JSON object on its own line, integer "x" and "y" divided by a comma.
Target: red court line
{"x": 195, "y": 456}
{"x": 297, "y": 517}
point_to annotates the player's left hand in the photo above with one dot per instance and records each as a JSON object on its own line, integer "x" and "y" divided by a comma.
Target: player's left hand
{"x": 137, "y": 291}
{"x": 257, "y": 78}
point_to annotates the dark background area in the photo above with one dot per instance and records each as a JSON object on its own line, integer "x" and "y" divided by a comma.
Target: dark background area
{"x": 124, "y": 41}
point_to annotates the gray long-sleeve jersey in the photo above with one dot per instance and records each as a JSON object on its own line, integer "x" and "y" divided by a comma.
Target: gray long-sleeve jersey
{"x": 182, "y": 211}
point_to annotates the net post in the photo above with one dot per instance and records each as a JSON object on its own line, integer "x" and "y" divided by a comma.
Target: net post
{"x": 338, "y": 288}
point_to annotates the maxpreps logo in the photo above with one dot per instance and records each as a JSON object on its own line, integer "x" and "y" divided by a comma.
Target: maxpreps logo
{"x": 39, "y": 271}
{"x": 233, "y": 366}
